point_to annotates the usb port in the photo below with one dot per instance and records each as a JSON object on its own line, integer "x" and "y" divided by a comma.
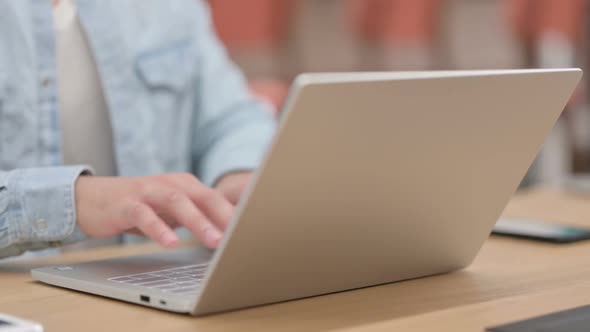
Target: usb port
{"x": 144, "y": 298}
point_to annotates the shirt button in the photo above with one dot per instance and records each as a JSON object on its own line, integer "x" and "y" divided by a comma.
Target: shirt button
{"x": 46, "y": 82}
{"x": 41, "y": 225}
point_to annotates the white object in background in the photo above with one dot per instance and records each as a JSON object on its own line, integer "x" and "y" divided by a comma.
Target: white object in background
{"x": 579, "y": 122}
{"x": 554, "y": 161}
{"x": 13, "y": 324}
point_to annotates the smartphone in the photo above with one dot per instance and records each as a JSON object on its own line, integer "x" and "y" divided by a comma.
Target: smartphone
{"x": 13, "y": 324}
{"x": 534, "y": 229}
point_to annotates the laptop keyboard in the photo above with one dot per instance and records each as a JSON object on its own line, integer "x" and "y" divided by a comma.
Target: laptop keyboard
{"x": 184, "y": 280}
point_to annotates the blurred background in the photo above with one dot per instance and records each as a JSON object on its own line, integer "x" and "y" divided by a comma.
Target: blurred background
{"x": 274, "y": 40}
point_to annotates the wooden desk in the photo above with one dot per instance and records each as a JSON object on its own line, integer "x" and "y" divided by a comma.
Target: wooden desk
{"x": 509, "y": 280}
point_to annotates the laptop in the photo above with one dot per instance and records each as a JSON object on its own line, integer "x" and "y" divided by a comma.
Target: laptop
{"x": 372, "y": 178}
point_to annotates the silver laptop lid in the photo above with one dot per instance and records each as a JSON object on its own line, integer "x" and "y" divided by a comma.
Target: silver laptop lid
{"x": 380, "y": 177}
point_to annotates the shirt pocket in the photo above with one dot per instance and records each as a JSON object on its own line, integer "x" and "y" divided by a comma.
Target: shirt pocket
{"x": 168, "y": 75}
{"x": 168, "y": 68}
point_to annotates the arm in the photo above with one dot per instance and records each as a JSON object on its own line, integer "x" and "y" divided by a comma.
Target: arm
{"x": 231, "y": 128}
{"x": 48, "y": 207}
{"x": 230, "y": 132}
{"x": 37, "y": 208}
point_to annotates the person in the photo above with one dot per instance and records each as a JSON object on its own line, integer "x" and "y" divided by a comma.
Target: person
{"x": 107, "y": 109}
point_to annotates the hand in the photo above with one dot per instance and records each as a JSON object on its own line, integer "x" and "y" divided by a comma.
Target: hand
{"x": 232, "y": 185}
{"x": 153, "y": 206}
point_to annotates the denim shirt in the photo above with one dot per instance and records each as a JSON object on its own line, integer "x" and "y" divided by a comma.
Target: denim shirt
{"x": 176, "y": 103}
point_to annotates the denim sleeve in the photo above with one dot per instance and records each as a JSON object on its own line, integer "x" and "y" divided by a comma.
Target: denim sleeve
{"x": 232, "y": 128}
{"x": 37, "y": 208}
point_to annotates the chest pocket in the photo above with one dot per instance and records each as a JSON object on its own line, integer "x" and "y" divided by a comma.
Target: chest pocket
{"x": 171, "y": 67}
{"x": 168, "y": 75}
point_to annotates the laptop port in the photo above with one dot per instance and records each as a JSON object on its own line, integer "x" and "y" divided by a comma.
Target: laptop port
{"x": 162, "y": 302}
{"x": 144, "y": 298}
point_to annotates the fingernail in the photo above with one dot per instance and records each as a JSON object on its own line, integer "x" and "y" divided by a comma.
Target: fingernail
{"x": 212, "y": 237}
{"x": 170, "y": 239}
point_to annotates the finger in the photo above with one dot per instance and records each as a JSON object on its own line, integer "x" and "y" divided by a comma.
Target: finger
{"x": 147, "y": 221}
{"x": 168, "y": 219}
{"x": 212, "y": 203}
{"x": 232, "y": 195}
{"x": 135, "y": 231}
{"x": 180, "y": 207}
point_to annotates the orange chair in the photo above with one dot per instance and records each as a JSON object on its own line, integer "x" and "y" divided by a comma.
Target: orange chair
{"x": 395, "y": 21}
{"x": 531, "y": 18}
{"x": 252, "y": 23}
{"x": 534, "y": 20}
{"x": 551, "y": 32}
{"x": 251, "y": 26}
{"x": 403, "y": 34}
